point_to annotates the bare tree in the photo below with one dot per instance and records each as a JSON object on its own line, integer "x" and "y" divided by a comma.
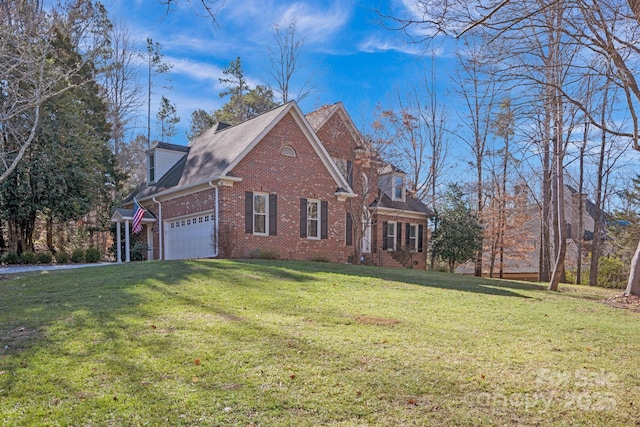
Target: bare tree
{"x": 211, "y": 7}
{"x": 417, "y": 131}
{"x": 122, "y": 91}
{"x": 478, "y": 89}
{"x": 285, "y": 63}
{"x": 606, "y": 28}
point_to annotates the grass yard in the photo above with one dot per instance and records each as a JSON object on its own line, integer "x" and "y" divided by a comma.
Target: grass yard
{"x": 264, "y": 343}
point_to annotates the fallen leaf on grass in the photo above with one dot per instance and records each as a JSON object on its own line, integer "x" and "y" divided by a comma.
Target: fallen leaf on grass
{"x": 197, "y": 362}
{"x": 195, "y": 379}
{"x": 412, "y": 402}
{"x": 153, "y": 326}
{"x": 292, "y": 376}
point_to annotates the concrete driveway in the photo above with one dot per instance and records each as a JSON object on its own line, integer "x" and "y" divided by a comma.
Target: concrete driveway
{"x": 9, "y": 269}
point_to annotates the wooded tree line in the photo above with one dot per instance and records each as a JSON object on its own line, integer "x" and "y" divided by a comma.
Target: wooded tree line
{"x": 566, "y": 70}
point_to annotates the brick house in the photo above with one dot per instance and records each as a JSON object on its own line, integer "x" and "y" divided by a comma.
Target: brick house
{"x": 301, "y": 187}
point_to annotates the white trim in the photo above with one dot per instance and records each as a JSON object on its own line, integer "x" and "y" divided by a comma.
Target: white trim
{"x": 395, "y": 235}
{"x": 288, "y": 151}
{"x": 151, "y": 166}
{"x": 417, "y": 230}
{"x": 318, "y": 203}
{"x": 186, "y": 190}
{"x": 321, "y": 150}
{"x": 394, "y": 187}
{"x": 400, "y": 213}
{"x": 266, "y": 213}
{"x": 189, "y": 215}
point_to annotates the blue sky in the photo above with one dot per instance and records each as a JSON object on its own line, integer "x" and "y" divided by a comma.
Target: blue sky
{"x": 350, "y": 56}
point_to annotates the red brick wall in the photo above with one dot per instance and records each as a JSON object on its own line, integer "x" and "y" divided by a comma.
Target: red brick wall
{"x": 377, "y": 237}
{"x": 265, "y": 170}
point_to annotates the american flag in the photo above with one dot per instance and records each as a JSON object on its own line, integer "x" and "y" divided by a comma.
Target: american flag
{"x": 137, "y": 217}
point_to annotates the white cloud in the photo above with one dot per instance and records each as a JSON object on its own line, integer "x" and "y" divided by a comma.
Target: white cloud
{"x": 196, "y": 70}
{"x": 375, "y": 44}
{"x": 317, "y": 24}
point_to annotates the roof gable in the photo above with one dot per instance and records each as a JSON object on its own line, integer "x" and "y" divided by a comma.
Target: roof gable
{"x": 215, "y": 153}
{"x": 293, "y": 109}
{"x": 319, "y": 118}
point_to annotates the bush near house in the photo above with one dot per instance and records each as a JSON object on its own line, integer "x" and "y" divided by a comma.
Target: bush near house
{"x": 92, "y": 255}
{"x": 612, "y": 273}
{"x": 44, "y": 257}
{"x": 12, "y": 258}
{"x": 62, "y": 257}
{"x": 28, "y": 257}
{"x": 77, "y": 256}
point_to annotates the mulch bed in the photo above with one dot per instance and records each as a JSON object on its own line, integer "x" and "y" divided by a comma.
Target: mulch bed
{"x": 630, "y": 302}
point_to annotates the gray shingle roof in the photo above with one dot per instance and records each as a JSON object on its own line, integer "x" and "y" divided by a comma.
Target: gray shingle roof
{"x": 128, "y": 213}
{"x": 173, "y": 147}
{"x": 317, "y": 118}
{"x": 210, "y": 154}
{"x": 411, "y": 204}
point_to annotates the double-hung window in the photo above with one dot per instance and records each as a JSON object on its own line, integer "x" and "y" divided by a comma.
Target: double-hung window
{"x": 313, "y": 219}
{"x": 260, "y": 212}
{"x": 398, "y": 191}
{"x": 390, "y": 235}
{"x": 151, "y": 160}
{"x": 412, "y": 237}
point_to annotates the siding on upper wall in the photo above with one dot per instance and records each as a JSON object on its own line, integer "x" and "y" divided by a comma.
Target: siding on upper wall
{"x": 165, "y": 159}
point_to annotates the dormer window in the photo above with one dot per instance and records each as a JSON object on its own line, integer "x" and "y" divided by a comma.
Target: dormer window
{"x": 151, "y": 164}
{"x": 398, "y": 190}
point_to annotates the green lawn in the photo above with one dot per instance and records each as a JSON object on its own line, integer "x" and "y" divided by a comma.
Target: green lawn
{"x": 213, "y": 342}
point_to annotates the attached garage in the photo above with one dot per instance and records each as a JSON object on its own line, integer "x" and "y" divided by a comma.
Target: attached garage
{"x": 190, "y": 236}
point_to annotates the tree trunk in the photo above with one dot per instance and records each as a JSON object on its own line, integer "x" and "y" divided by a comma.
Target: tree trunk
{"x": 633, "y": 285}
{"x": 595, "y": 249}
{"x": 478, "y": 267}
{"x": 545, "y": 240}
{"x": 50, "y": 235}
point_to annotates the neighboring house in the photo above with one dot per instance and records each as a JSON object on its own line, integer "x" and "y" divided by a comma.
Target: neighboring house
{"x": 302, "y": 187}
{"x": 526, "y": 264}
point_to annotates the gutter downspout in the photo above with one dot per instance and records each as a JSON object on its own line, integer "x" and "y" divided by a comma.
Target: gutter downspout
{"x": 216, "y": 222}
{"x": 160, "y": 230}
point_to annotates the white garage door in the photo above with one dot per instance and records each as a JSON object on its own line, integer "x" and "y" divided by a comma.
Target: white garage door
{"x": 189, "y": 237}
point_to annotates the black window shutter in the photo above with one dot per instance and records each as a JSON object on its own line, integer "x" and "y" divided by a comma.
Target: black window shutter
{"x": 407, "y": 237}
{"x": 324, "y": 220}
{"x": 420, "y": 231}
{"x": 303, "y": 217}
{"x": 385, "y": 246}
{"x": 349, "y": 229}
{"x": 273, "y": 214}
{"x": 248, "y": 212}
{"x": 399, "y": 236}
{"x": 350, "y": 172}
